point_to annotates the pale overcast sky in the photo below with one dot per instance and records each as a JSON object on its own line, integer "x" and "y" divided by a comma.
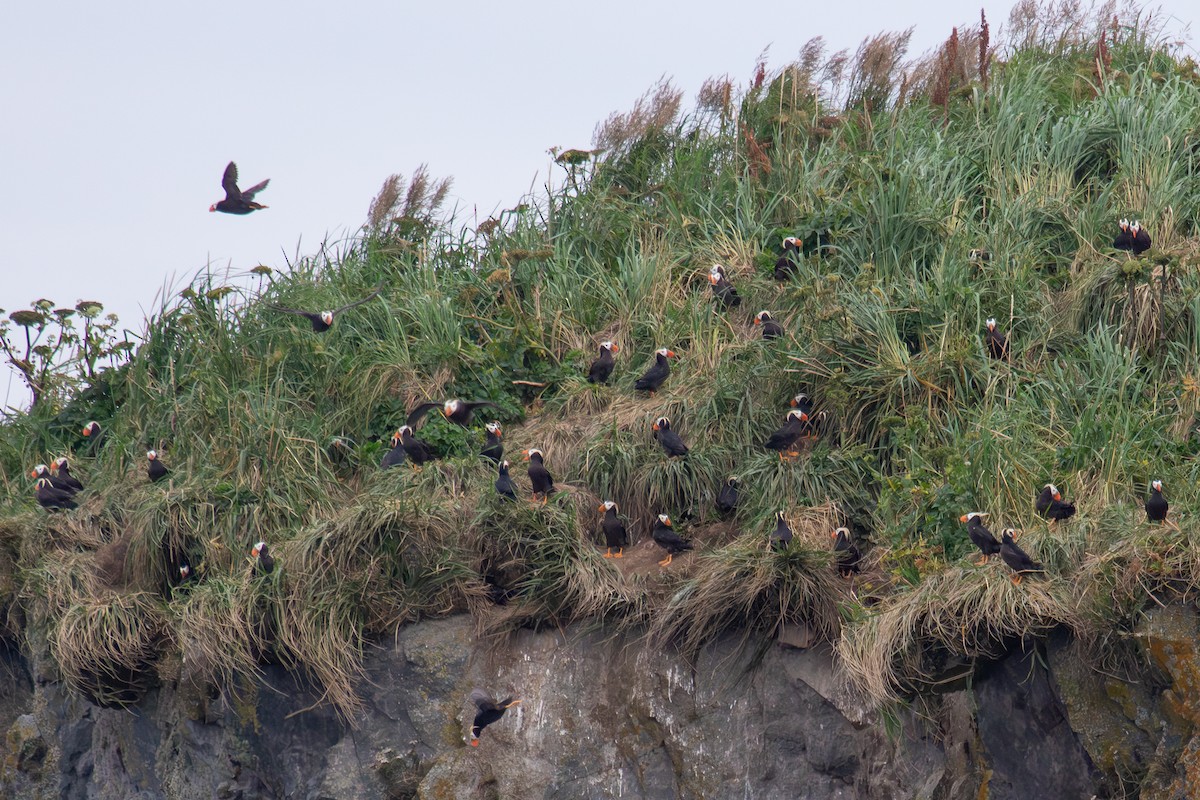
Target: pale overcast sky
{"x": 119, "y": 117}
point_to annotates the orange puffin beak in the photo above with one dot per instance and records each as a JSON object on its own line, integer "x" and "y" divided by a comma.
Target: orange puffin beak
{"x": 713, "y": 279}
{"x": 654, "y": 427}
{"x": 1058, "y": 495}
{"x": 474, "y": 743}
{"x": 833, "y": 535}
{"x": 757, "y": 321}
{"x": 601, "y": 509}
{"x": 670, "y": 354}
{"x": 526, "y": 454}
{"x": 963, "y": 518}
{"x": 615, "y": 349}
{"x": 87, "y": 431}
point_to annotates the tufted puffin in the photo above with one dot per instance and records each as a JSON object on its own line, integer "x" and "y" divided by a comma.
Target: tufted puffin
{"x": 488, "y": 712}
{"x": 418, "y": 450}
{"x": 1141, "y": 238}
{"x": 770, "y": 328}
{"x": 263, "y": 561}
{"x": 784, "y": 440}
{"x": 460, "y": 412}
{"x": 781, "y": 537}
{"x": 981, "y": 536}
{"x": 1156, "y": 504}
{"x": 602, "y": 367}
{"x": 323, "y": 320}
{"x": 50, "y": 497}
{"x": 672, "y": 445}
{"x": 615, "y": 534}
{"x": 997, "y": 342}
{"x": 65, "y": 478}
{"x": 722, "y": 289}
{"x": 727, "y": 498}
{"x": 785, "y": 266}
{"x": 94, "y": 434}
{"x": 394, "y": 457}
{"x": 1124, "y": 237}
{"x": 653, "y": 378}
{"x": 1050, "y": 504}
{"x": 155, "y": 469}
{"x": 504, "y": 484}
{"x": 42, "y": 472}
{"x": 493, "y": 448}
{"x": 1016, "y": 558}
{"x": 539, "y": 477}
{"x": 666, "y": 538}
{"x": 237, "y": 201}
{"x": 846, "y": 552}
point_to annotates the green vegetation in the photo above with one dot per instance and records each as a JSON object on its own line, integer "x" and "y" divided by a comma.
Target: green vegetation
{"x": 891, "y": 172}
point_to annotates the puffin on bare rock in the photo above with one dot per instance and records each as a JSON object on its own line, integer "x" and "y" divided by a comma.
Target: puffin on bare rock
{"x": 504, "y": 484}
{"x": 846, "y": 552}
{"x": 539, "y": 477}
{"x": 1156, "y": 504}
{"x": 155, "y": 469}
{"x": 659, "y": 371}
{"x": 984, "y": 539}
{"x": 418, "y": 451}
{"x": 781, "y": 537}
{"x": 493, "y": 448}
{"x": 997, "y": 342}
{"x": 615, "y": 534}
{"x": 770, "y": 328}
{"x": 1050, "y": 505}
{"x": 236, "y": 200}
{"x": 488, "y": 711}
{"x": 1016, "y": 558}
{"x": 323, "y": 320}
{"x": 666, "y": 538}
{"x": 52, "y": 498}
{"x": 671, "y": 444}
{"x": 65, "y": 478}
{"x": 727, "y": 497}
{"x": 602, "y": 367}
{"x": 460, "y": 412}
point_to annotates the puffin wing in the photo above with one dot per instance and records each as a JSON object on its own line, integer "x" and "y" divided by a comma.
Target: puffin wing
{"x": 415, "y": 415}
{"x": 229, "y": 182}
{"x": 248, "y": 194}
{"x": 297, "y": 311}
{"x": 474, "y": 404}
{"x": 374, "y": 293}
{"x": 482, "y": 700}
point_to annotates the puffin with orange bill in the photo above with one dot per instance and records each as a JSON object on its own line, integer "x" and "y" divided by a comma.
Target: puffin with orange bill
{"x": 487, "y": 712}
{"x": 504, "y": 485}
{"x": 984, "y": 539}
{"x": 493, "y": 448}
{"x": 997, "y": 342}
{"x": 785, "y": 265}
{"x": 602, "y": 367}
{"x": 658, "y": 372}
{"x": 665, "y": 537}
{"x": 460, "y": 412}
{"x": 1016, "y": 558}
{"x": 264, "y": 562}
{"x": 770, "y": 328}
{"x": 1156, "y": 504}
{"x": 784, "y": 440}
{"x": 615, "y": 534}
{"x": 846, "y": 552}
{"x": 722, "y": 289}
{"x": 1051, "y": 506}
{"x": 63, "y": 470}
{"x": 42, "y": 472}
{"x": 155, "y": 469}
{"x": 418, "y": 451}
{"x": 94, "y": 434}
{"x": 323, "y": 320}
{"x": 396, "y": 456}
{"x": 52, "y": 498}
{"x": 781, "y": 537}
{"x": 539, "y": 477}
{"x": 670, "y": 441}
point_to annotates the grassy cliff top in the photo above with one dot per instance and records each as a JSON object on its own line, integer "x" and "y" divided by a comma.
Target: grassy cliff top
{"x": 890, "y": 172}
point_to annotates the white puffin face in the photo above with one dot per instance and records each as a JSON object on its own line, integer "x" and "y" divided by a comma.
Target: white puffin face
{"x": 60, "y": 462}
{"x": 404, "y": 429}
{"x": 493, "y": 427}
{"x": 970, "y": 515}
{"x": 327, "y": 317}
{"x": 533, "y": 451}
{"x": 258, "y": 548}
{"x": 762, "y": 316}
{"x": 607, "y": 345}
{"x": 1053, "y": 489}
{"x": 1157, "y": 485}
{"x": 662, "y": 351}
{"x": 792, "y": 240}
{"x": 449, "y": 407}
{"x": 150, "y": 454}
{"x": 504, "y": 463}
{"x": 991, "y": 323}
{"x": 843, "y": 531}
{"x": 664, "y": 519}
{"x": 796, "y": 413}
{"x": 40, "y": 469}
{"x": 609, "y": 505}
{"x": 662, "y": 423}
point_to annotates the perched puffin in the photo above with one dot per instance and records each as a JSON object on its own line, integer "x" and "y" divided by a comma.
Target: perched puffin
{"x": 672, "y": 445}
{"x": 185, "y": 573}
{"x": 979, "y": 255}
{"x": 997, "y": 342}
{"x": 394, "y": 457}
{"x": 984, "y": 539}
{"x": 488, "y": 712}
{"x": 417, "y": 450}
{"x": 42, "y": 472}
{"x": 666, "y": 538}
{"x": 263, "y": 561}
{"x": 460, "y": 412}
{"x": 539, "y": 476}
{"x": 770, "y": 328}
{"x": 846, "y": 552}
{"x": 785, "y": 266}
{"x": 781, "y": 537}
{"x": 1156, "y": 504}
{"x": 504, "y": 484}
{"x": 1141, "y": 238}
{"x": 50, "y": 497}
{"x": 93, "y": 433}
{"x": 1124, "y": 237}
{"x": 237, "y": 201}
{"x": 323, "y": 320}
{"x": 722, "y": 289}
{"x": 493, "y": 448}
{"x": 784, "y": 440}
{"x": 1016, "y": 558}
{"x": 155, "y": 469}
{"x": 727, "y": 498}
{"x": 1050, "y": 504}
{"x": 802, "y": 402}
{"x": 602, "y": 367}
{"x": 658, "y": 372}
{"x": 614, "y": 530}
{"x": 65, "y": 477}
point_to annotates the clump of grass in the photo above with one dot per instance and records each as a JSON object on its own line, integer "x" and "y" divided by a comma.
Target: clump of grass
{"x": 220, "y": 632}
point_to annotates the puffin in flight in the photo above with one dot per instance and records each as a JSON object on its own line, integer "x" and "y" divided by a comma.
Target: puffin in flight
{"x": 615, "y": 534}
{"x": 602, "y": 367}
{"x": 984, "y": 539}
{"x": 237, "y": 201}
{"x": 155, "y": 469}
{"x": 460, "y": 412}
{"x": 323, "y": 320}
{"x": 997, "y": 342}
{"x": 666, "y": 538}
{"x": 1016, "y": 558}
{"x": 658, "y": 372}
{"x": 672, "y": 445}
{"x": 770, "y": 328}
{"x": 488, "y": 711}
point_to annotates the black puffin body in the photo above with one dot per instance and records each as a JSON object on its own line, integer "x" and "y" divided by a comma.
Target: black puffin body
{"x": 487, "y": 712}
{"x": 1141, "y": 238}
{"x": 1156, "y": 504}
{"x": 493, "y": 448}
{"x": 671, "y": 444}
{"x": 997, "y": 343}
{"x": 504, "y": 484}
{"x": 666, "y": 538}
{"x": 94, "y": 434}
{"x": 50, "y": 497}
{"x": 264, "y": 562}
{"x": 1124, "y": 237}
{"x": 1016, "y": 558}
{"x": 42, "y": 472}
{"x": 1050, "y": 504}
{"x": 653, "y": 378}
{"x": 846, "y": 552}
{"x": 155, "y": 469}
{"x": 396, "y": 456}
{"x": 784, "y": 440}
{"x": 722, "y": 289}
{"x": 323, "y": 320}
{"x": 785, "y": 266}
{"x": 236, "y": 200}
{"x": 980, "y": 535}
{"x": 417, "y": 450}
{"x": 539, "y": 477}
{"x": 460, "y": 412}
{"x": 65, "y": 479}
{"x": 615, "y": 534}
{"x": 727, "y": 498}
{"x": 770, "y": 328}
{"x": 781, "y": 537}
{"x": 602, "y": 367}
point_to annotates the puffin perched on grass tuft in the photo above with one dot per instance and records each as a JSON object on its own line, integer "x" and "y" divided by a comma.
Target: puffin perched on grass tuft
{"x": 263, "y": 561}
{"x": 997, "y": 343}
{"x": 418, "y": 451}
{"x": 493, "y": 448}
{"x": 1141, "y": 238}
{"x": 51, "y": 497}
{"x": 784, "y": 440}
{"x": 396, "y": 456}
{"x": 846, "y": 551}
{"x": 155, "y": 469}
{"x": 65, "y": 478}
{"x": 1124, "y": 237}
{"x": 722, "y": 289}
{"x": 727, "y": 498}
{"x": 615, "y": 534}
{"x": 781, "y": 537}
{"x": 1156, "y": 504}
{"x": 659, "y": 371}
{"x": 539, "y": 477}
{"x": 984, "y": 539}
{"x": 504, "y": 484}
{"x": 770, "y": 328}
{"x": 670, "y": 441}
{"x": 785, "y": 266}
{"x": 1017, "y": 558}
{"x": 602, "y": 367}
{"x": 42, "y": 472}
{"x": 1051, "y": 506}
{"x": 666, "y": 538}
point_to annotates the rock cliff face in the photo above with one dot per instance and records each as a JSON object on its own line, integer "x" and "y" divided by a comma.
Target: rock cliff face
{"x": 607, "y": 718}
